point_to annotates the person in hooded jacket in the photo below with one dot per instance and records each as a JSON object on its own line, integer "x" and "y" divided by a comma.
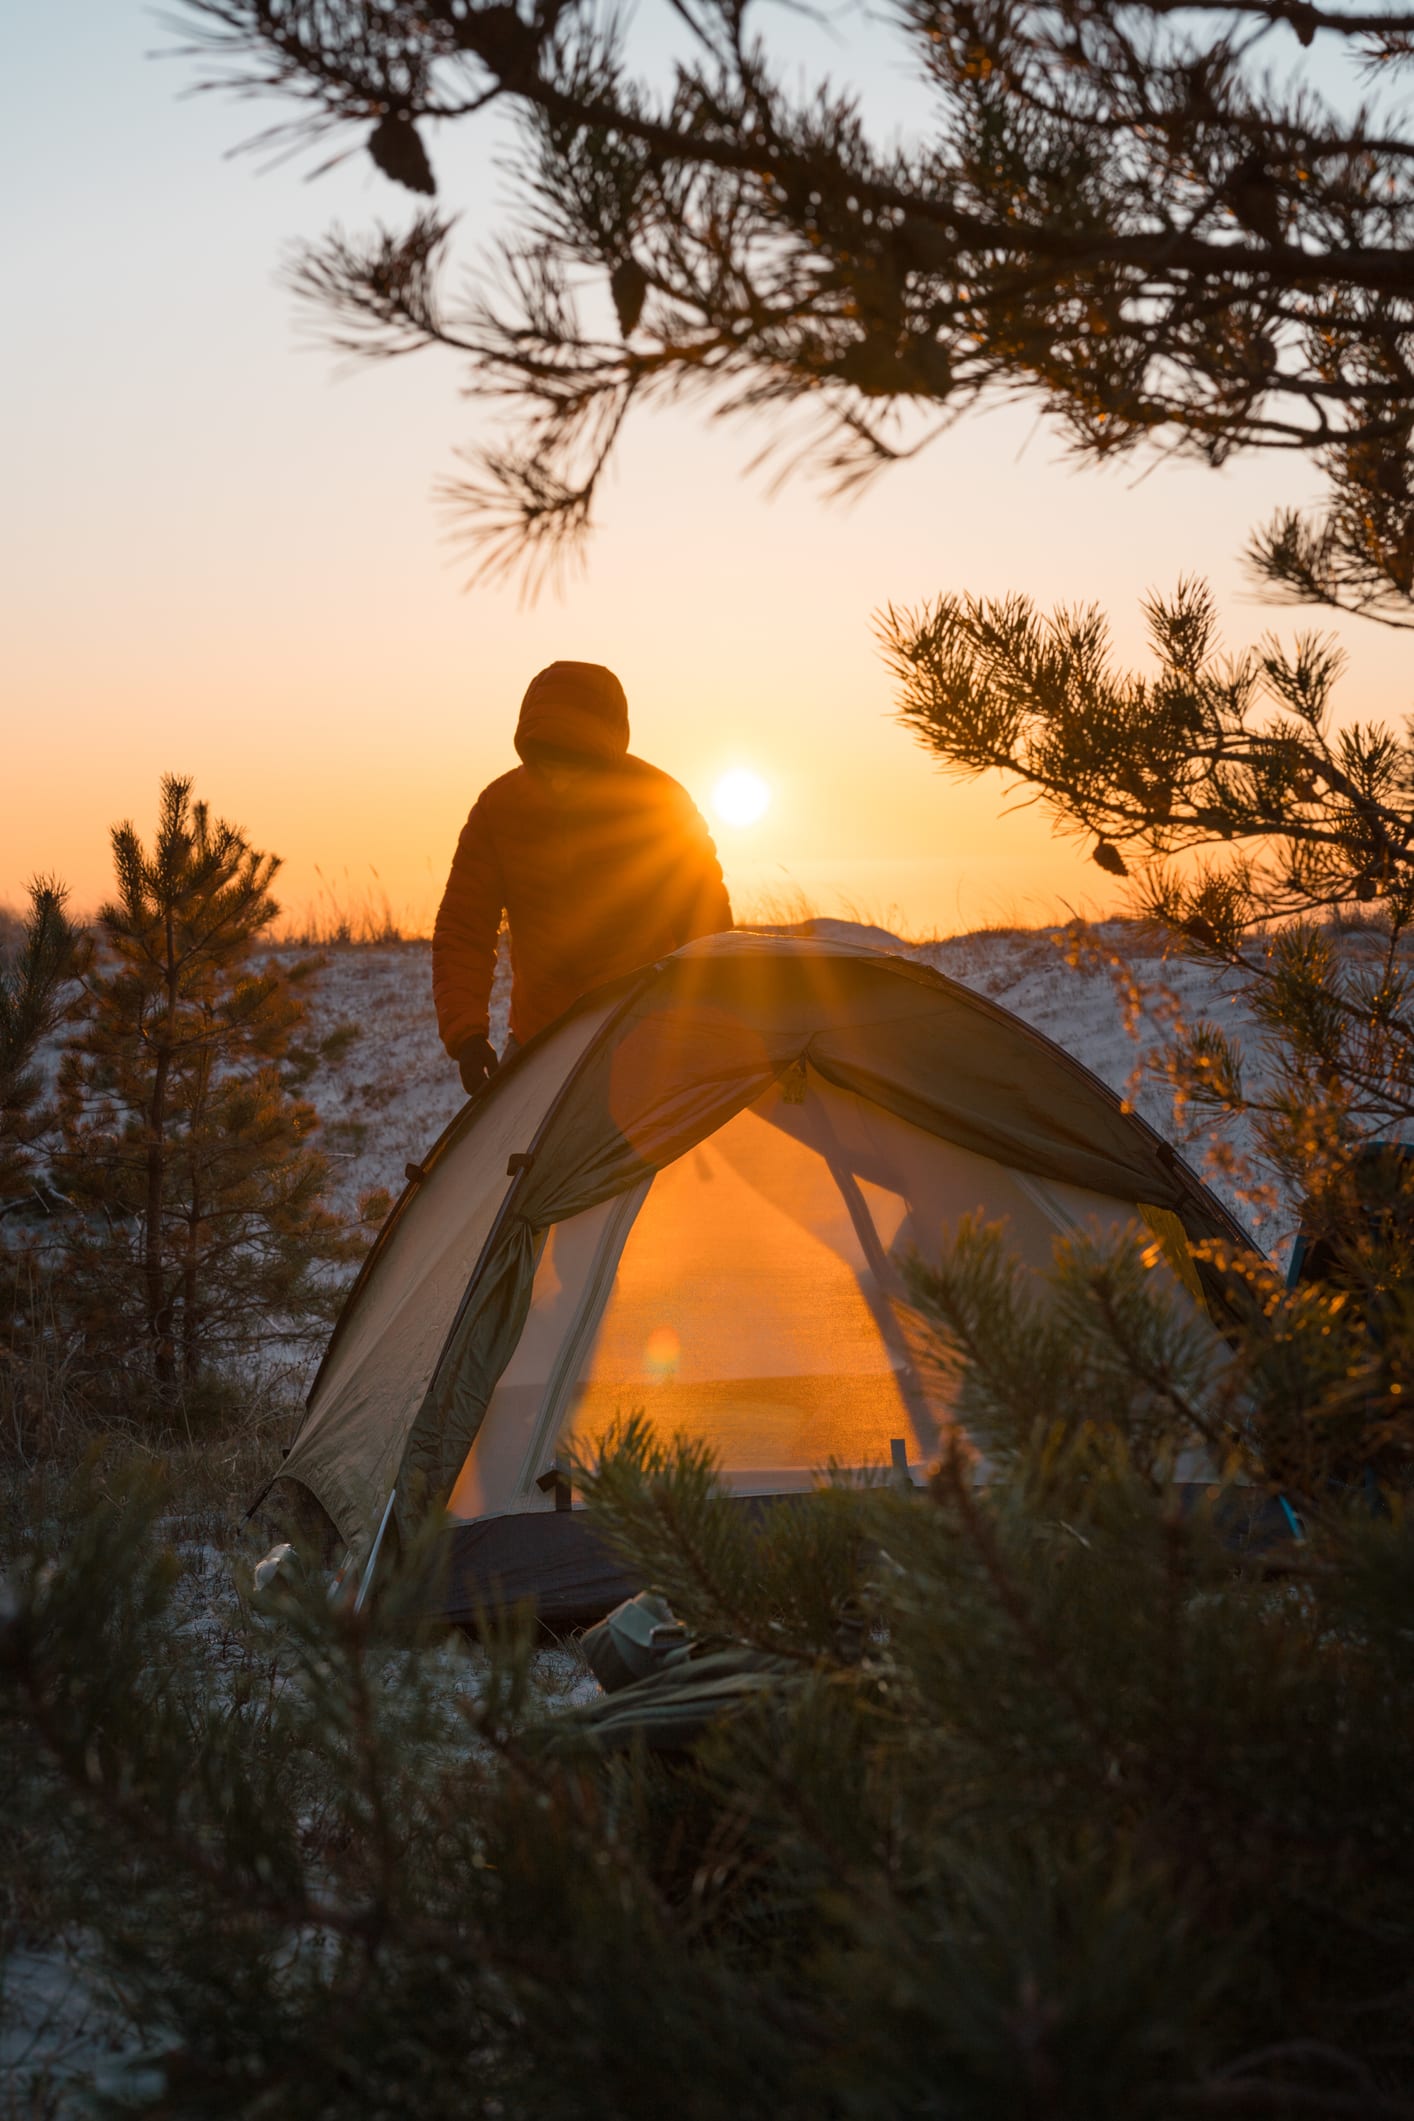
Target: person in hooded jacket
{"x": 600, "y": 862}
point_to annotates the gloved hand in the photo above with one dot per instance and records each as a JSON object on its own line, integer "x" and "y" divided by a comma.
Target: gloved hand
{"x": 476, "y": 1064}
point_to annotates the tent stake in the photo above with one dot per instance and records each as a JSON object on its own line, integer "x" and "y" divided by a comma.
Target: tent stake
{"x": 373, "y": 1557}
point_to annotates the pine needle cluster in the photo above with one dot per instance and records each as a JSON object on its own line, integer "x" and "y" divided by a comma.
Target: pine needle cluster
{"x": 1263, "y": 831}
{"x": 1155, "y": 222}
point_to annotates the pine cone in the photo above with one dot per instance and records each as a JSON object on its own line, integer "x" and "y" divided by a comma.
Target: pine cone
{"x": 1255, "y": 198}
{"x": 628, "y": 284}
{"x": 398, "y": 151}
{"x": 1109, "y": 858}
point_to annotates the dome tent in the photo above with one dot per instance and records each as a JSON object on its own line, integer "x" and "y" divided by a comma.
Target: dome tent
{"x": 690, "y": 1196}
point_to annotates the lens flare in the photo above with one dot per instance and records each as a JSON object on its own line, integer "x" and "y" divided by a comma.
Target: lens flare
{"x": 740, "y": 797}
{"x": 661, "y": 1352}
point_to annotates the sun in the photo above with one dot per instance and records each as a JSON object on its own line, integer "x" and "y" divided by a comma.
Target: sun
{"x": 740, "y": 797}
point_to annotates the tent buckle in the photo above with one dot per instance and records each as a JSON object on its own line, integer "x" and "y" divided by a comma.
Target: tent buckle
{"x": 556, "y": 1478}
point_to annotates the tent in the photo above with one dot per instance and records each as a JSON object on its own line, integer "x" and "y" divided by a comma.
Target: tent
{"x": 691, "y": 1196}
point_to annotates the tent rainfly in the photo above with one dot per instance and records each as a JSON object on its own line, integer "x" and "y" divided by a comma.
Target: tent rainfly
{"x": 690, "y": 1196}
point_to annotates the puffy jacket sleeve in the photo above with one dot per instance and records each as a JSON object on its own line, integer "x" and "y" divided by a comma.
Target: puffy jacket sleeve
{"x": 707, "y": 910}
{"x": 464, "y": 937}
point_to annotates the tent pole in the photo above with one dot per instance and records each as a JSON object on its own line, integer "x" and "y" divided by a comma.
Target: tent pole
{"x": 887, "y": 1283}
{"x": 373, "y": 1557}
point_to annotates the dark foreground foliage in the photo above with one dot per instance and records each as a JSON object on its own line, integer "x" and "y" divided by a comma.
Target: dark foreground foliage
{"x": 1067, "y": 1802}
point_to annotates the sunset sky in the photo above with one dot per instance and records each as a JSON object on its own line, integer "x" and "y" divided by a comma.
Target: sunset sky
{"x": 222, "y": 557}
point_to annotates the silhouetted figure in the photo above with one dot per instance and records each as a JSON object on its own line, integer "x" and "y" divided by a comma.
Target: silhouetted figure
{"x": 600, "y": 862}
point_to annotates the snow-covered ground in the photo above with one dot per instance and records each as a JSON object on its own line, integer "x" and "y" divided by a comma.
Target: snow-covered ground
{"x": 388, "y": 1090}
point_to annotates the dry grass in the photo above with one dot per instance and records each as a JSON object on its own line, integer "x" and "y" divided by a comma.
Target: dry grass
{"x": 61, "y": 1411}
{"x": 791, "y": 911}
{"x": 778, "y": 912}
{"x": 347, "y": 910}
{"x": 56, "y": 2023}
{"x": 214, "y": 1474}
{"x": 42, "y": 1397}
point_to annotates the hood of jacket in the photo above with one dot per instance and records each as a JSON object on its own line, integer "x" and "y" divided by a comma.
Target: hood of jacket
{"x": 578, "y": 707}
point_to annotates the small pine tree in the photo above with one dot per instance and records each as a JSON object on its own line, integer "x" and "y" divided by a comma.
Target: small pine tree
{"x": 29, "y": 1010}
{"x": 205, "y": 1229}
